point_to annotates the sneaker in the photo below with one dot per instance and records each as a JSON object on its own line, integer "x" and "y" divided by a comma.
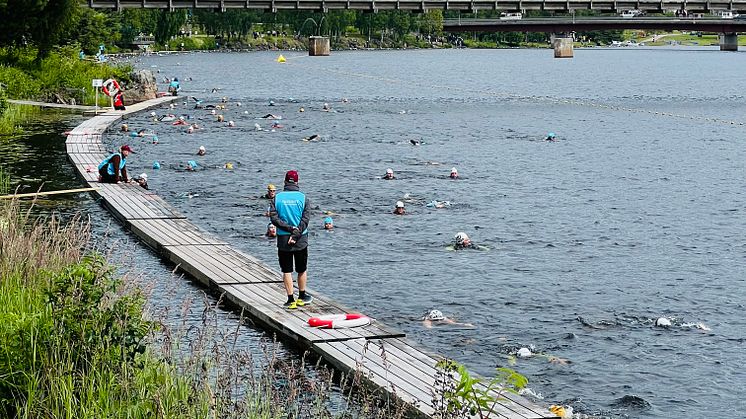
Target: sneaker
{"x": 307, "y": 299}
{"x": 293, "y": 305}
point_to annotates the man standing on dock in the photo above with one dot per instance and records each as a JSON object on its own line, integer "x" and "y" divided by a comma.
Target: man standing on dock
{"x": 289, "y": 211}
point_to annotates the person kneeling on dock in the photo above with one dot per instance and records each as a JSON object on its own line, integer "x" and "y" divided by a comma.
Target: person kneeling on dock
{"x": 109, "y": 170}
{"x": 289, "y": 211}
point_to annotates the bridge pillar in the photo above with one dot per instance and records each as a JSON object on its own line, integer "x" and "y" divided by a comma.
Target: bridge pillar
{"x": 729, "y": 41}
{"x": 562, "y": 43}
{"x": 318, "y": 46}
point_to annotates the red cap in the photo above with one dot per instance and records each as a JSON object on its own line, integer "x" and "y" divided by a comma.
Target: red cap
{"x": 291, "y": 176}
{"x": 127, "y": 148}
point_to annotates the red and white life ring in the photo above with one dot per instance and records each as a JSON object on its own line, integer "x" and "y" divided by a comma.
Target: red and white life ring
{"x": 339, "y": 321}
{"x": 110, "y": 87}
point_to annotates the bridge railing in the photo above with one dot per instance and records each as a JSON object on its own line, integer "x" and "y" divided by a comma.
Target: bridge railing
{"x": 655, "y": 6}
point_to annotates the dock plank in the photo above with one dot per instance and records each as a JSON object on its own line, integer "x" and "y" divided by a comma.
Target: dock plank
{"x": 171, "y": 232}
{"x": 207, "y": 263}
{"x": 265, "y": 302}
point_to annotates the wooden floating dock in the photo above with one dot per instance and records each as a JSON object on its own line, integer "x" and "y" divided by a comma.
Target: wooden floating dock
{"x": 54, "y": 105}
{"x": 384, "y": 356}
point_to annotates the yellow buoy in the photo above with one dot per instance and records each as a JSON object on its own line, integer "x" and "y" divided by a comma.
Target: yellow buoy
{"x": 281, "y": 59}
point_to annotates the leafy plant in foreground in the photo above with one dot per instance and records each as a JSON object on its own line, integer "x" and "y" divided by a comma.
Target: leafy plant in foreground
{"x": 459, "y": 395}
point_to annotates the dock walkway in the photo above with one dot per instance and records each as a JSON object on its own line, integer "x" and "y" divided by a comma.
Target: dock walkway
{"x": 382, "y": 355}
{"x": 54, "y": 105}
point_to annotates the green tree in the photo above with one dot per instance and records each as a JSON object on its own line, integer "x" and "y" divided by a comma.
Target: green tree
{"x": 168, "y": 24}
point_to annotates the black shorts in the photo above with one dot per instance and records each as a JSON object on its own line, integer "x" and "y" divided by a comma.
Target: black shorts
{"x": 286, "y": 261}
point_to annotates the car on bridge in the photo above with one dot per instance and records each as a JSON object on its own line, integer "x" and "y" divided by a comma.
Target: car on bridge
{"x": 511, "y": 16}
{"x": 629, "y": 14}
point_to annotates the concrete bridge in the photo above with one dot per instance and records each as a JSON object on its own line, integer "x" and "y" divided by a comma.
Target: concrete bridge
{"x": 562, "y": 28}
{"x": 651, "y": 6}
{"x": 569, "y": 24}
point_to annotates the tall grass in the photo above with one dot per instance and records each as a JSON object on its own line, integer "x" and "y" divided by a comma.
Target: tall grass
{"x": 74, "y": 342}
{"x": 13, "y": 117}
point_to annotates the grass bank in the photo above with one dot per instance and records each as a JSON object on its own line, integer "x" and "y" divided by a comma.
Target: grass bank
{"x": 59, "y": 76}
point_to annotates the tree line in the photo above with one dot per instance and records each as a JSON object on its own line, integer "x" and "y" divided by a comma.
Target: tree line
{"x": 46, "y": 24}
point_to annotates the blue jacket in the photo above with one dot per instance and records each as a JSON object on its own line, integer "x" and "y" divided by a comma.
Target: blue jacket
{"x": 110, "y": 169}
{"x": 289, "y": 211}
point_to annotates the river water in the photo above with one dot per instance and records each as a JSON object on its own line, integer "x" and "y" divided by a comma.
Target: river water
{"x": 635, "y": 213}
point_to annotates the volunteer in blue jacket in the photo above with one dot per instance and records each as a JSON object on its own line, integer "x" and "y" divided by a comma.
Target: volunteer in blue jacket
{"x": 290, "y": 212}
{"x": 110, "y": 169}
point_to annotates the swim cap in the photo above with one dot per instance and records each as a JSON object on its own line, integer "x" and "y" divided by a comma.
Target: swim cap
{"x": 453, "y": 170}
{"x": 213, "y": 112}
{"x": 271, "y": 187}
{"x": 390, "y": 171}
{"x": 271, "y": 102}
{"x": 551, "y": 135}
{"x": 524, "y": 353}
{"x": 192, "y": 164}
{"x": 434, "y": 315}
{"x": 231, "y": 123}
{"x": 144, "y": 176}
{"x": 229, "y": 166}
{"x": 133, "y": 134}
{"x": 328, "y": 220}
{"x": 152, "y": 114}
{"x": 270, "y": 225}
{"x": 399, "y": 204}
{"x": 202, "y": 148}
{"x": 156, "y": 165}
{"x": 460, "y": 237}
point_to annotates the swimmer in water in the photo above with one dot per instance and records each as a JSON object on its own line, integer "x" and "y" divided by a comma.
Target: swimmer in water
{"x": 399, "y": 209}
{"x": 454, "y": 173}
{"x": 328, "y": 223}
{"x": 271, "y": 103}
{"x": 389, "y": 175}
{"x": 276, "y": 124}
{"x": 439, "y": 204}
{"x": 142, "y": 132}
{"x": 271, "y": 116}
{"x": 181, "y": 121}
{"x": 224, "y": 99}
{"x": 221, "y": 118}
{"x": 436, "y": 317}
{"x": 271, "y": 231}
{"x": 125, "y": 128}
{"x": 190, "y": 130}
{"x": 461, "y": 242}
{"x": 551, "y": 137}
{"x": 326, "y": 108}
{"x": 231, "y": 124}
{"x": 271, "y": 192}
{"x": 202, "y": 151}
{"x": 142, "y": 180}
{"x": 312, "y": 138}
{"x": 192, "y": 166}
{"x": 301, "y": 109}
{"x": 415, "y": 142}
